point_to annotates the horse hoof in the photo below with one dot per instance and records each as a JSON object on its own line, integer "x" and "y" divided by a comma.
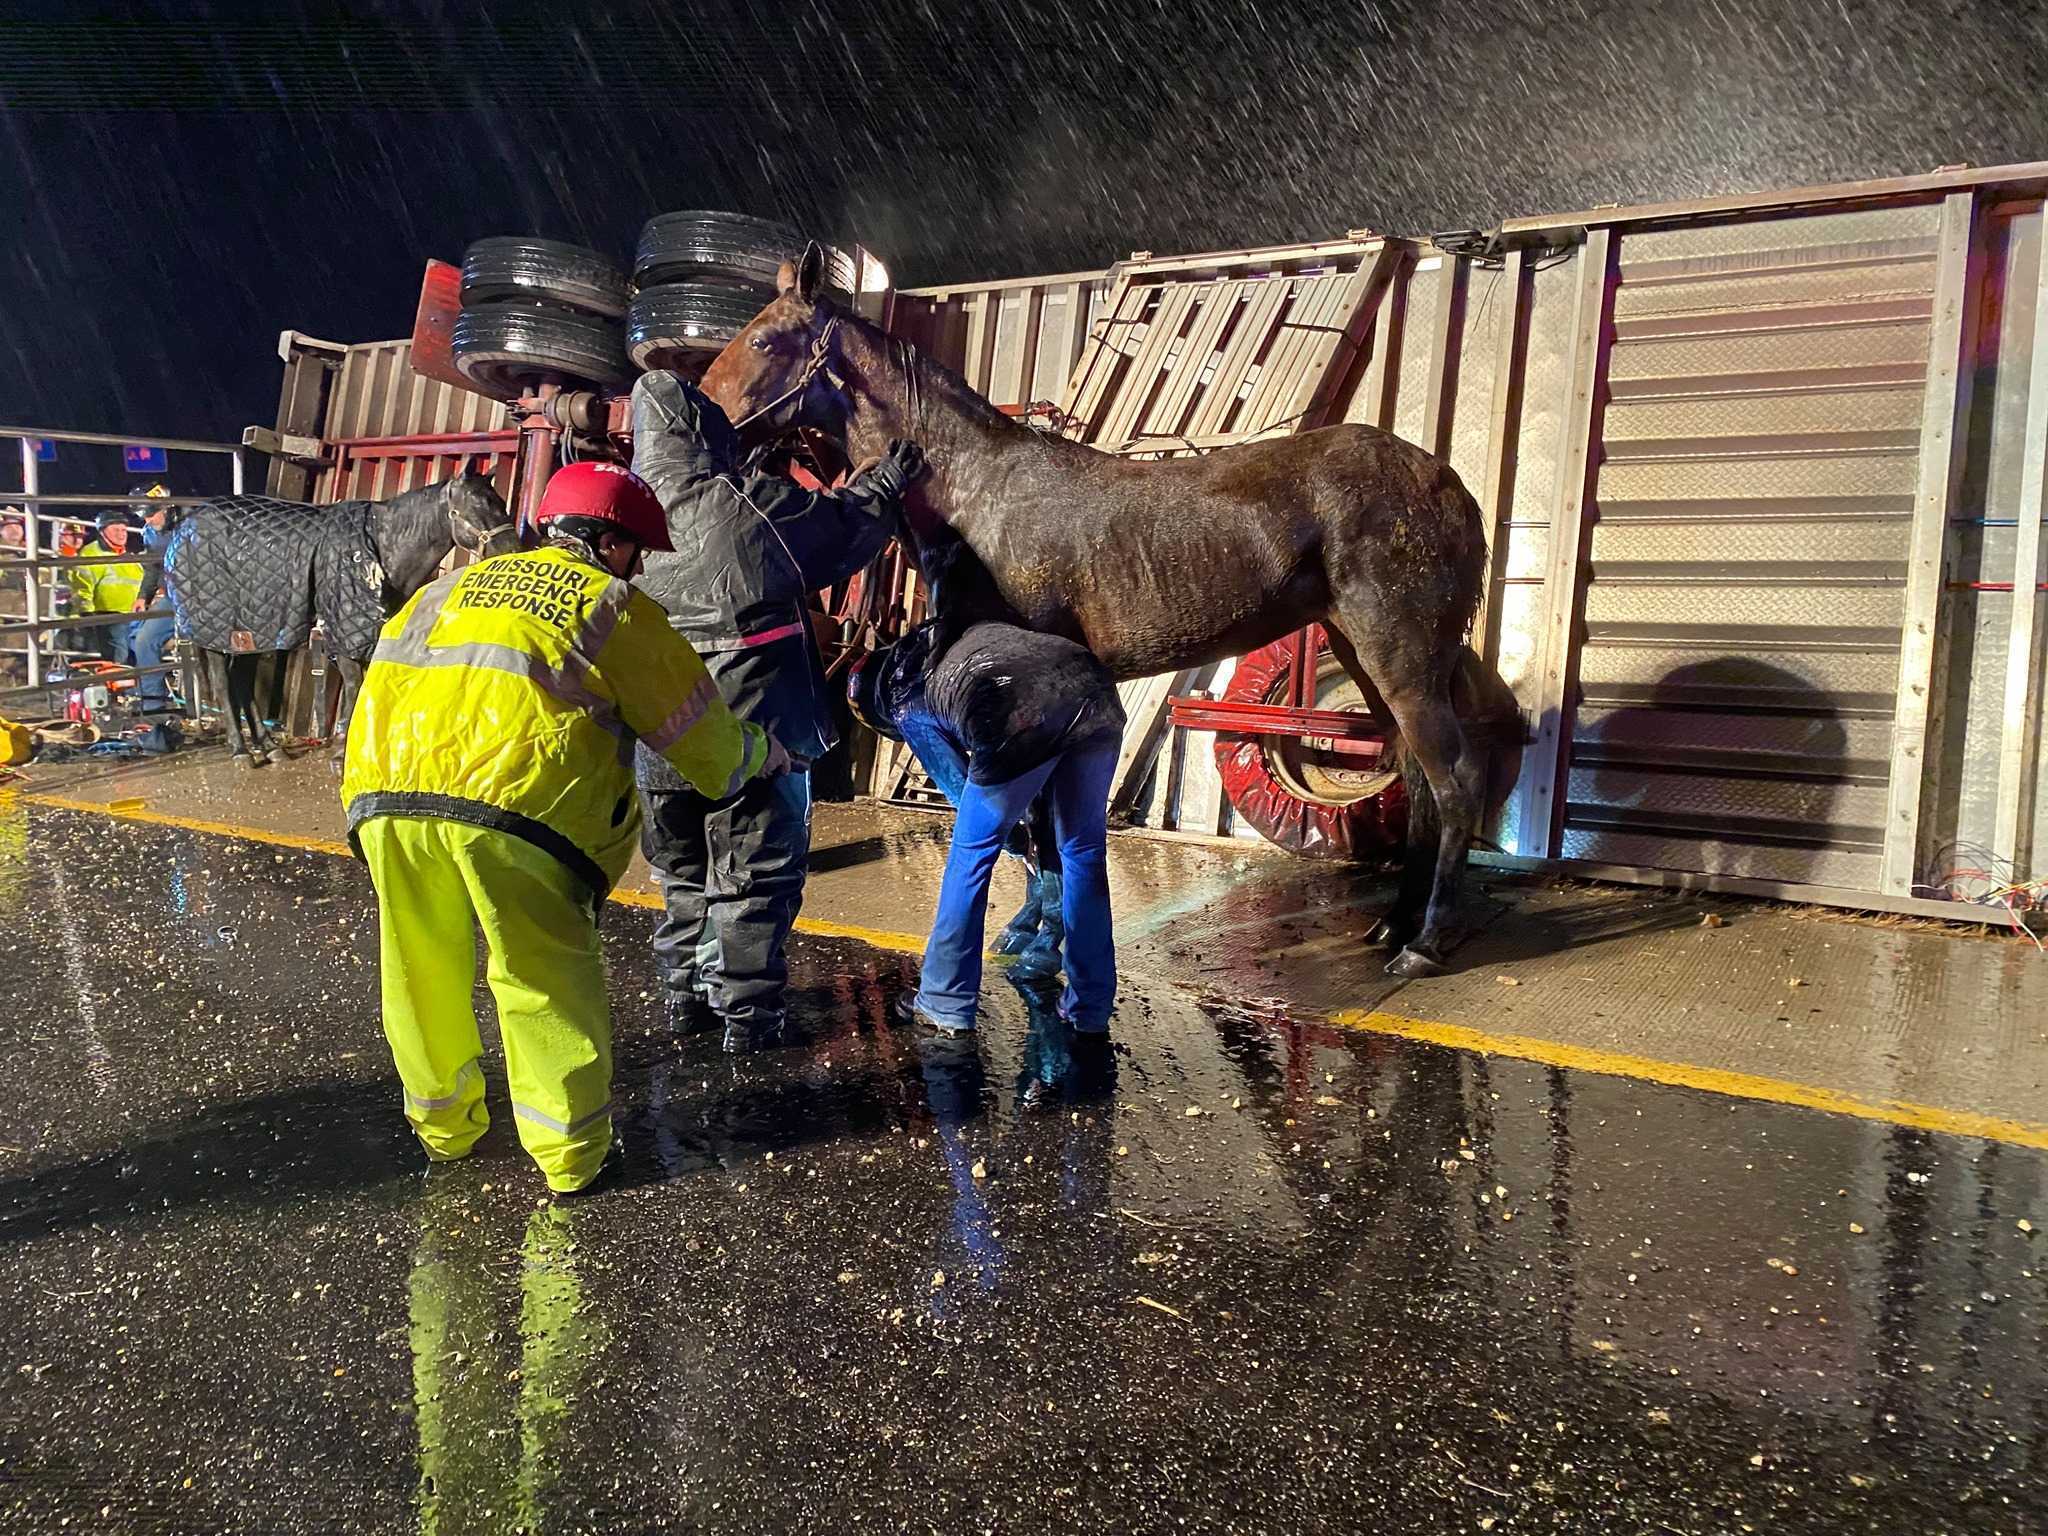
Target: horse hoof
{"x": 1391, "y": 932}
{"x": 1413, "y": 962}
{"x": 245, "y": 761}
{"x": 277, "y": 755}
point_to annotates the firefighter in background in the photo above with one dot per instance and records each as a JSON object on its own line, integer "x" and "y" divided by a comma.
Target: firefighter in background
{"x": 489, "y": 783}
{"x": 112, "y": 587}
{"x": 750, "y": 548}
{"x": 152, "y": 507}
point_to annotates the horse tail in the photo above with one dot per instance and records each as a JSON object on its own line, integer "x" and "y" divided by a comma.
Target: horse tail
{"x": 1465, "y": 547}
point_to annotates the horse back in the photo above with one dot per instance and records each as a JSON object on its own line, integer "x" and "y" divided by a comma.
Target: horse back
{"x": 1170, "y": 563}
{"x": 241, "y": 569}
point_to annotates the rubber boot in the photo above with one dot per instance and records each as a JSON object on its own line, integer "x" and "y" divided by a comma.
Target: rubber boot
{"x": 1040, "y": 959}
{"x": 1020, "y": 930}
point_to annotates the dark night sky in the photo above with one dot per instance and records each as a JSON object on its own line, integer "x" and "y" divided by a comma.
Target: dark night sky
{"x": 173, "y": 192}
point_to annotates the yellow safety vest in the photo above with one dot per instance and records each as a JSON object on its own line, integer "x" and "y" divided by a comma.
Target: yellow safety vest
{"x": 509, "y": 694}
{"x": 104, "y": 588}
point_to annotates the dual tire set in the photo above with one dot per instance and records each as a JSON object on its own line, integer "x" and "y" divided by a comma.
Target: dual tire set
{"x": 544, "y": 312}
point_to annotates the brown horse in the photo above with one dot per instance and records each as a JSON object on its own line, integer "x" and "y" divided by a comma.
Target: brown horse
{"x": 1172, "y": 563}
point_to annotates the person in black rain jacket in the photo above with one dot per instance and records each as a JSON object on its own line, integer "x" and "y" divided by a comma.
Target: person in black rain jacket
{"x": 749, "y": 548}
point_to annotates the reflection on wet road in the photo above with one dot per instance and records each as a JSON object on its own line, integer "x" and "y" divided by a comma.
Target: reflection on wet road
{"x": 1233, "y": 1273}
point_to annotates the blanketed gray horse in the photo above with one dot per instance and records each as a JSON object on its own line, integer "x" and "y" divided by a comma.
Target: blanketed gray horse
{"x": 248, "y": 575}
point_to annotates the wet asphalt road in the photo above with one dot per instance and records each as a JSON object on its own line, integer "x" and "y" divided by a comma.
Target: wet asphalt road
{"x": 1236, "y": 1274}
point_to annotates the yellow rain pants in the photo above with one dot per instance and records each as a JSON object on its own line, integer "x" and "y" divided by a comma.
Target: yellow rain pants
{"x": 438, "y": 881}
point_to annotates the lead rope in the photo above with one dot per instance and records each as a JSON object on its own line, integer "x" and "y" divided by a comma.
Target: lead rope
{"x": 913, "y": 389}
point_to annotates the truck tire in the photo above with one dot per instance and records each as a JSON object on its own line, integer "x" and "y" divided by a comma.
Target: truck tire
{"x": 505, "y": 349}
{"x": 522, "y": 268}
{"x": 685, "y": 325}
{"x": 733, "y": 250}
{"x": 1306, "y": 802}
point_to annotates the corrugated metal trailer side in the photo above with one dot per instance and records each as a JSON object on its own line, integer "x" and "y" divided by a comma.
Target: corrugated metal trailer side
{"x": 1765, "y": 485}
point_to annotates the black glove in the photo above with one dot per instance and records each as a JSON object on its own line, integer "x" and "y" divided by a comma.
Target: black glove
{"x": 900, "y": 467}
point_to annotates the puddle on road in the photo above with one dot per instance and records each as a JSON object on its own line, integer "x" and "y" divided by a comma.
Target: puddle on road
{"x": 1234, "y": 1270}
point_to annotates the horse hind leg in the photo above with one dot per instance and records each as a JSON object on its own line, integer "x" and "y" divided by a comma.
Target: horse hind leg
{"x": 1455, "y": 773}
{"x": 280, "y": 673}
{"x": 1446, "y": 775}
{"x": 1399, "y": 922}
{"x": 242, "y": 687}
{"x": 220, "y": 675}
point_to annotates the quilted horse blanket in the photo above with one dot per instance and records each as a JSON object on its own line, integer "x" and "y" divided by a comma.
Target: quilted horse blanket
{"x": 251, "y": 573}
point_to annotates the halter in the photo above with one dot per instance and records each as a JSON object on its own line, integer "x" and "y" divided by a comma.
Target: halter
{"x": 820, "y": 361}
{"x": 475, "y": 539}
{"x": 507, "y": 538}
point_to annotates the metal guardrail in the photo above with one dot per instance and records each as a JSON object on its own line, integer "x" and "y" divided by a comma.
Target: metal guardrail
{"x": 40, "y": 617}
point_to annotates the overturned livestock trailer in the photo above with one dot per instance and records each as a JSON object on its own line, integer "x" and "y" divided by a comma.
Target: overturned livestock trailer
{"x": 1763, "y": 478}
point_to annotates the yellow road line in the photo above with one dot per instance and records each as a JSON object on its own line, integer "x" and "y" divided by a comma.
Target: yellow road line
{"x": 897, "y": 943}
{"x": 190, "y": 823}
{"x": 1736, "y": 1085}
{"x": 1459, "y": 1037}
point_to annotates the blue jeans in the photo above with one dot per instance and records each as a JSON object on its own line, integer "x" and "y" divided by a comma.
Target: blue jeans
{"x": 151, "y": 636}
{"x": 936, "y": 750}
{"x": 950, "y": 986}
{"x": 942, "y": 758}
{"x": 120, "y": 644}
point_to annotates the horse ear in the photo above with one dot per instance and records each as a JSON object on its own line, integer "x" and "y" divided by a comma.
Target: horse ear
{"x": 785, "y": 278}
{"x": 810, "y": 273}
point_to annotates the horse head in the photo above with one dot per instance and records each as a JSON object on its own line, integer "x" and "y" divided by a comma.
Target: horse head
{"x": 477, "y": 518}
{"x": 785, "y": 369}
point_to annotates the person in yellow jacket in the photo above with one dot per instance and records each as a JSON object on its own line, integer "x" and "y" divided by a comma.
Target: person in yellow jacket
{"x": 489, "y": 782}
{"x": 110, "y": 588}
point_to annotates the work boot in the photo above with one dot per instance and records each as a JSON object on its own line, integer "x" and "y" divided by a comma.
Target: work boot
{"x": 690, "y": 1012}
{"x": 1040, "y": 959}
{"x": 606, "y": 1177}
{"x": 754, "y": 1034}
{"x": 908, "y": 1011}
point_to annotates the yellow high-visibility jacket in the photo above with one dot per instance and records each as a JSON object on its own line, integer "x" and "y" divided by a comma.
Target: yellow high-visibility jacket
{"x": 509, "y": 694}
{"x": 104, "y": 588}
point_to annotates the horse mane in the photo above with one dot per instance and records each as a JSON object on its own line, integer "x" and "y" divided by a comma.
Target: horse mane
{"x": 921, "y": 377}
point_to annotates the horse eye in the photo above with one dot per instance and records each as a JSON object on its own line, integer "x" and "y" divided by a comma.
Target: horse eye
{"x": 761, "y": 343}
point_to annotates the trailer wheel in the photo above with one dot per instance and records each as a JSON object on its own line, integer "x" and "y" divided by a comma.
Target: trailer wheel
{"x": 522, "y": 268}
{"x": 1305, "y": 800}
{"x": 732, "y": 250}
{"x": 506, "y": 349}
{"x": 685, "y": 325}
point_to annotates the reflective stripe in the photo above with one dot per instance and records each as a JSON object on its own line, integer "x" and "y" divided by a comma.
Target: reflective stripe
{"x": 684, "y": 715}
{"x": 604, "y": 618}
{"x": 528, "y": 1112}
{"x": 748, "y": 642}
{"x": 565, "y": 683}
{"x": 741, "y": 774}
{"x": 425, "y": 613}
{"x": 462, "y": 1077}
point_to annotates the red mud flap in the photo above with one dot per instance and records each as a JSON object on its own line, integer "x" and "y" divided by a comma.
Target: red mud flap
{"x": 1366, "y": 831}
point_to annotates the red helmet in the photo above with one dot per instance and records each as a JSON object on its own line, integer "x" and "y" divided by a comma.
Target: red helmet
{"x": 611, "y": 493}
